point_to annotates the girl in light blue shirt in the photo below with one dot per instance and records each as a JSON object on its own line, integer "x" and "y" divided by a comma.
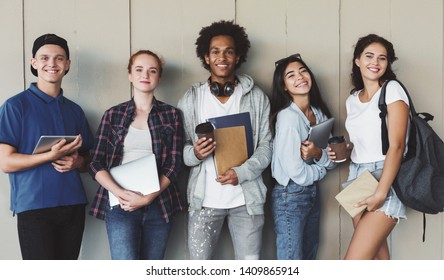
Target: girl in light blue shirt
{"x": 297, "y": 164}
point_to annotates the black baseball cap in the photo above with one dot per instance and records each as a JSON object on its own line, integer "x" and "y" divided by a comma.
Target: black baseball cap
{"x": 49, "y": 39}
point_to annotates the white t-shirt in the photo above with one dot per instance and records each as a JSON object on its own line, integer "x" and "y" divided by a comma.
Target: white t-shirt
{"x": 217, "y": 195}
{"x": 363, "y": 123}
{"x": 137, "y": 144}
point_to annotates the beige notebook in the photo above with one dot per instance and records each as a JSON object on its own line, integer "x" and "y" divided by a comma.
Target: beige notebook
{"x": 231, "y": 148}
{"x": 355, "y": 191}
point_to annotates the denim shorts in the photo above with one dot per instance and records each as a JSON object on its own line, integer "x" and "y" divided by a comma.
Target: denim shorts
{"x": 392, "y": 206}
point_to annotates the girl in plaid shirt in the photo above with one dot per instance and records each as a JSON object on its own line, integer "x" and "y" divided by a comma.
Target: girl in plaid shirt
{"x": 139, "y": 226}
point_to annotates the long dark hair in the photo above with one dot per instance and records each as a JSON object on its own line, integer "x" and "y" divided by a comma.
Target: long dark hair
{"x": 360, "y": 46}
{"x": 280, "y": 99}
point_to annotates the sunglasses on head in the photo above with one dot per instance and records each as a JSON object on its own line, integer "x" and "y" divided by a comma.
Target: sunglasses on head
{"x": 296, "y": 55}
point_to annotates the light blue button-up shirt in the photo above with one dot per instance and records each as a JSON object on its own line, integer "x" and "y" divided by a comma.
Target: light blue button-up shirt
{"x": 292, "y": 128}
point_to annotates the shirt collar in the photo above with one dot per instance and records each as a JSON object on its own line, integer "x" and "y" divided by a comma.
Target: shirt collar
{"x": 298, "y": 110}
{"x": 132, "y": 106}
{"x": 43, "y": 96}
{"x": 156, "y": 105}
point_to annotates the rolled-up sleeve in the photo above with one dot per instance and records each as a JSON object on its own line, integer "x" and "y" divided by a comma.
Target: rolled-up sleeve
{"x": 174, "y": 149}
{"x": 288, "y": 162}
{"x": 99, "y": 153}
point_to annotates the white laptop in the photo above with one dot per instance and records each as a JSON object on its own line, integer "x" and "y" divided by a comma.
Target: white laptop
{"x": 139, "y": 175}
{"x": 320, "y": 133}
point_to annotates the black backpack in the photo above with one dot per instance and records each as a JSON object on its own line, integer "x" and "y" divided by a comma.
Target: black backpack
{"x": 419, "y": 183}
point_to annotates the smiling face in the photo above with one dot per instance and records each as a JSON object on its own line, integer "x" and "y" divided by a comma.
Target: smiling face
{"x": 297, "y": 80}
{"x": 222, "y": 59}
{"x": 373, "y": 62}
{"x": 51, "y": 63}
{"x": 144, "y": 73}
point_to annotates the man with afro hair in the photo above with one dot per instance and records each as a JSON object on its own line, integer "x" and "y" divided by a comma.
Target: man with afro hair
{"x": 239, "y": 194}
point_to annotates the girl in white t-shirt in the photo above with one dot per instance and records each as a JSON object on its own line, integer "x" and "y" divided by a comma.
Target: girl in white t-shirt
{"x": 372, "y": 59}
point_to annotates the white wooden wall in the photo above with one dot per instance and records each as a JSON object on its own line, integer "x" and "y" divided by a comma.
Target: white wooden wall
{"x": 103, "y": 33}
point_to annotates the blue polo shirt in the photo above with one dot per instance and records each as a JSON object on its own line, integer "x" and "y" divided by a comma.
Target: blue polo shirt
{"x": 23, "y": 119}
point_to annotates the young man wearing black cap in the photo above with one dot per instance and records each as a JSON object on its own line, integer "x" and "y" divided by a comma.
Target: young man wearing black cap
{"x": 238, "y": 195}
{"x": 46, "y": 190}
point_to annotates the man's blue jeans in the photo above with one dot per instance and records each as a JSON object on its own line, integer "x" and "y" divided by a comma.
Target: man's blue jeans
{"x": 296, "y": 212}
{"x": 138, "y": 235}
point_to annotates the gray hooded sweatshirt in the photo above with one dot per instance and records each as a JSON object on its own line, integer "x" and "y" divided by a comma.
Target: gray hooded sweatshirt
{"x": 249, "y": 174}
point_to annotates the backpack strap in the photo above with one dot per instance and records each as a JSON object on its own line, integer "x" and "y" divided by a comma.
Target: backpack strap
{"x": 383, "y": 114}
{"x": 383, "y": 108}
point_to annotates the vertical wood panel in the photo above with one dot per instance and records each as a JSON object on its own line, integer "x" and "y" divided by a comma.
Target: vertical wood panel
{"x": 266, "y": 26}
{"x": 420, "y": 68}
{"x": 318, "y": 43}
{"x": 197, "y": 14}
{"x": 403, "y": 23}
{"x": 167, "y": 43}
{"x": 267, "y": 35}
{"x": 357, "y": 19}
{"x": 11, "y": 81}
{"x": 49, "y": 16}
{"x": 102, "y": 47}
{"x": 180, "y": 23}
{"x": 98, "y": 38}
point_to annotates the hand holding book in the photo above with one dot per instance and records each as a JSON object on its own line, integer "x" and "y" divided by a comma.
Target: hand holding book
{"x": 355, "y": 191}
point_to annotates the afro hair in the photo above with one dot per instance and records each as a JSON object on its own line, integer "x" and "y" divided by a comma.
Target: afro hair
{"x": 228, "y": 28}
